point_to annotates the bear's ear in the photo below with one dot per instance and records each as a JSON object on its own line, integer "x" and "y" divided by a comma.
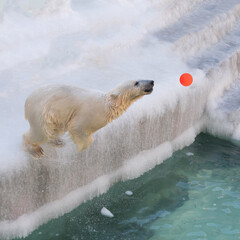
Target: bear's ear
{"x": 115, "y": 97}
{"x": 115, "y": 94}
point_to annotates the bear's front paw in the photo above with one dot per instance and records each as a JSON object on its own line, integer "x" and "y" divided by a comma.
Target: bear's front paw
{"x": 80, "y": 148}
{"x": 85, "y": 145}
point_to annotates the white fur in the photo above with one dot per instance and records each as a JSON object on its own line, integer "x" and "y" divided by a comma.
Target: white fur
{"x": 51, "y": 111}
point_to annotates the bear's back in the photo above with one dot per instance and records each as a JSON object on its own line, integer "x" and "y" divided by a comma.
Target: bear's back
{"x": 60, "y": 100}
{"x": 53, "y": 93}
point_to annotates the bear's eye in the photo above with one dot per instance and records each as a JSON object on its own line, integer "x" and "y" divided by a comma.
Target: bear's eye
{"x": 136, "y": 83}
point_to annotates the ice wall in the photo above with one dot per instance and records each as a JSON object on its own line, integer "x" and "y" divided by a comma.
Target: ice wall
{"x": 97, "y": 44}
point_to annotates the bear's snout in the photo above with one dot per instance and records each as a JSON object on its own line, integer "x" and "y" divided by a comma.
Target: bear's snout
{"x": 152, "y": 83}
{"x": 147, "y": 86}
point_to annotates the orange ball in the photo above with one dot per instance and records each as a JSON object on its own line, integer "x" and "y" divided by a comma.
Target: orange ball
{"x": 186, "y": 79}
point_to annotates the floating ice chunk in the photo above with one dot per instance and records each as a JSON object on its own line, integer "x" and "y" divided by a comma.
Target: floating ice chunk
{"x": 105, "y": 212}
{"x": 129, "y": 193}
{"x": 189, "y": 154}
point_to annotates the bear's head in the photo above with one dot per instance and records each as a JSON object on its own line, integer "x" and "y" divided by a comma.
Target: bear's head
{"x": 120, "y": 98}
{"x": 132, "y": 90}
{"x": 143, "y": 87}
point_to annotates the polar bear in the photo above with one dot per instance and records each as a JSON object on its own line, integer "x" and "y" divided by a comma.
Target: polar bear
{"x": 53, "y": 110}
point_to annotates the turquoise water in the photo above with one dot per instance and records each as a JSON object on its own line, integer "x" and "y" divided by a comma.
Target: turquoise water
{"x": 194, "y": 195}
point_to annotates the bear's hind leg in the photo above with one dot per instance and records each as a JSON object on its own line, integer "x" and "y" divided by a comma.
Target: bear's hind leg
{"x": 32, "y": 148}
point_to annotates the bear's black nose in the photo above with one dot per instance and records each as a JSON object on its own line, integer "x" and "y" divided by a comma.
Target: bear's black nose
{"x": 152, "y": 83}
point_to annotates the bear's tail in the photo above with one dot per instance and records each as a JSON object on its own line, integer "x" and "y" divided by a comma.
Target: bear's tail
{"x": 25, "y": 110}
